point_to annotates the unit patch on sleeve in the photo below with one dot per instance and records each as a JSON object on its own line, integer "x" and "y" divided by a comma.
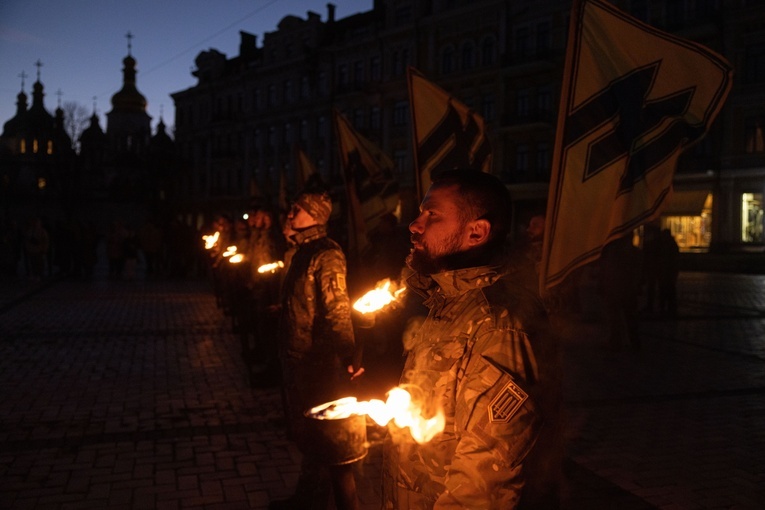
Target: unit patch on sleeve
{"x": 506, "y": 403}
{"x": 340, "y": 282}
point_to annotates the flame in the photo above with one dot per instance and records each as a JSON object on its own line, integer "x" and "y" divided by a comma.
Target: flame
{"x": 211, "y": 240}
{"x": 271, "y": 268}
{"x": 378, "y": 298}
{"x": 398, "y": 408}
{"x": 229, "y": 251}
{"x": 236, "y": 258}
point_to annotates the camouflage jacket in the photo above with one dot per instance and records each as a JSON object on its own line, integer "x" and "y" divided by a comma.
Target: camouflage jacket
{"x": 316, "y": 310}
{"x": 481, "y": 357}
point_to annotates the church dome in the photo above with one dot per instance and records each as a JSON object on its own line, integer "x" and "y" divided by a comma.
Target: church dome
{"x": 129, "y": 99}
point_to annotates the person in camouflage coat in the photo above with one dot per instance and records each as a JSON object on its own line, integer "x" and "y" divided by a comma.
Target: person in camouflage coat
{"x": 316, "y": 346}
{"x": 485, "y": 356}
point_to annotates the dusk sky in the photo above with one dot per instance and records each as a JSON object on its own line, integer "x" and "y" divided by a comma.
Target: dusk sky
{"x": 81, "y": 44}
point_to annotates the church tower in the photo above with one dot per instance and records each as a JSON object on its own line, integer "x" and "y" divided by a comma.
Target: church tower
{"x": 128, "y": 126}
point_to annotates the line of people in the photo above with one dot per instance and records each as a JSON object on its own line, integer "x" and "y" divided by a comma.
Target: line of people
{"x": 484, "y": 356}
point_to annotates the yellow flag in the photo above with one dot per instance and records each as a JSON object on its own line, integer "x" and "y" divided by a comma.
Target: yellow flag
{"x": 371, "y": 190}
{"x": 447, "y": 134}
{"x": 305, "y": 167}
{"x": 632, "y": 99}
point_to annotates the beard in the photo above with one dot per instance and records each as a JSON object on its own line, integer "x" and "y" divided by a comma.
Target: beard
{"x": 428, "y": 260}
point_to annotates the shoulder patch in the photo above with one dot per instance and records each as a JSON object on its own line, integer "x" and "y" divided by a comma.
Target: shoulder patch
{"x": 340, "y": 282}
{"x": 506, "y": 403}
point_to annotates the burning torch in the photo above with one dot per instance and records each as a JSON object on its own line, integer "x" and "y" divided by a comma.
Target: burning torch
{"x": 385, "y": 293}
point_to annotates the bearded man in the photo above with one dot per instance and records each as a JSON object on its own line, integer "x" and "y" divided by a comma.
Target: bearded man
{"x": 485, "y": 357}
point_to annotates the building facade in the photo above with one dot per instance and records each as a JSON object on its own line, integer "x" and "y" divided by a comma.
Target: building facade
{"x": 236, "y": 128}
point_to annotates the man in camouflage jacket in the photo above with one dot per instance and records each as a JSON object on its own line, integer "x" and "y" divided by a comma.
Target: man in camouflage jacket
{"x": 484, "y": 356}
{"x": 316, "y": 344}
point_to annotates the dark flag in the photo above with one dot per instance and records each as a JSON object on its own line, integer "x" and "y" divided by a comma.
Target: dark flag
{"x": 633, "y": 99}
{"x": 371, "y": 190}
{"x": 447, "y": 134}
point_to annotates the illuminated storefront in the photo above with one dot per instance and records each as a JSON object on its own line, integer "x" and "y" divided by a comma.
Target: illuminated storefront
{"x": 751, "y": 218}
{"x": 689, "y": 217}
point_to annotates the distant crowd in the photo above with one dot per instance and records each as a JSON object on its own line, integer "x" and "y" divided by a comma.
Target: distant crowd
{"x": 37, "y": 248}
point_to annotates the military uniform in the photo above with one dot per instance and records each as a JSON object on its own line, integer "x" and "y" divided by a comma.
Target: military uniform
{"x": 316, "y": 332}
{"x": 485, "y": 357}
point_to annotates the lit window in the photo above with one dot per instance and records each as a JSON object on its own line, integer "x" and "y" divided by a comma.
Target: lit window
{"x": 751, "y": 218}
{"x": 35, "y": 146}
{"x": 41, "y": 183}
{"x": 50, "y": 146}
{"x": 23, "y": 147}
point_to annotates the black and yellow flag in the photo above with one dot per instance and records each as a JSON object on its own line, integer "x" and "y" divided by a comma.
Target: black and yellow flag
{"x": 447, "y": 134}
{"x": 305, "y": 170}
{"x": 632, "y": 99}
{"x": 371, "y": 190}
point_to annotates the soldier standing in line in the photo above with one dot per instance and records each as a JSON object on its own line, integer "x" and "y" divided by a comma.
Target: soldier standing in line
{"x": 485, "y": 357}
{"x": 316, "y": 346}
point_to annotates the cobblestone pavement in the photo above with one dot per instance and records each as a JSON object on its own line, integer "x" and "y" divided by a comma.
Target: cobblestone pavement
{"x": 133, "y": 395}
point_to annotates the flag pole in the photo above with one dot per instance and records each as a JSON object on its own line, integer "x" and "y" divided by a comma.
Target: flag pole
{"x": 558, "y": 170}
{"x": 417, "y": 177}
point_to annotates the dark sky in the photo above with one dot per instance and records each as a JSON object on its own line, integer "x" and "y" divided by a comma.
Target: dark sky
{"x": 81, "y": 44}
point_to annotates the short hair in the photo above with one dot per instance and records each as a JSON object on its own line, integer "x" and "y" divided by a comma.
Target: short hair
{"x": 483, "y": 196}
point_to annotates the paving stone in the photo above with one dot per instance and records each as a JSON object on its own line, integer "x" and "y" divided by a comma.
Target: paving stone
{"x": 121, "y": 395}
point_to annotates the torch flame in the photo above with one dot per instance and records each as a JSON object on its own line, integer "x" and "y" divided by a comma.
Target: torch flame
{"x": 229, "y": 251}
{"x": 271, "y": 267}
{"x": 378, "y": 298}
{"x": 211, "y": 240}
{"x": 236, "y": 258}
{"x": 398, "y": 408}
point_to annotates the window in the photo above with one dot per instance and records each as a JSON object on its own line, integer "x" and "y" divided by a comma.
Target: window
{"x": 447, "y": 60}
{"x": 543, "y": 38}
{"x": 403, "y": 174}
{"x": 342, "y": 75}
{"x": 639, "y": 9}
{"x": 375, "y": 118}
{"x": 752, "y": 218}
{"x": 544, "y": 102}
{"x": 468, "y": 56}
{"x": 375, "y": 68}
{"x": 488, "y": 52}
{"x": 358, "y": 72}
{"x": 303, "y": 131}
{"x": 674, "y": 12}
{"x": 400, "y": 60}
{"x": 754, "y": 63}
{"x": 402, "y": 14}
{"x": 287, "y": 87}
{"x": 271, "y": 99}
{"x": 305, "y": 88}
{"x": 753, "y": 128}
{"x": 522, "y": 103}
{"x": 488, "y": 108}
{"x": 522, "y": 159}
{"x": 321, "y": 128}
{"x": 323, "y": 83}
{"x": 358, "y": 118}
{"x": 401, "y": 113}
{"x": 522, "y": 42}
{"x": 543, "y": 160}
